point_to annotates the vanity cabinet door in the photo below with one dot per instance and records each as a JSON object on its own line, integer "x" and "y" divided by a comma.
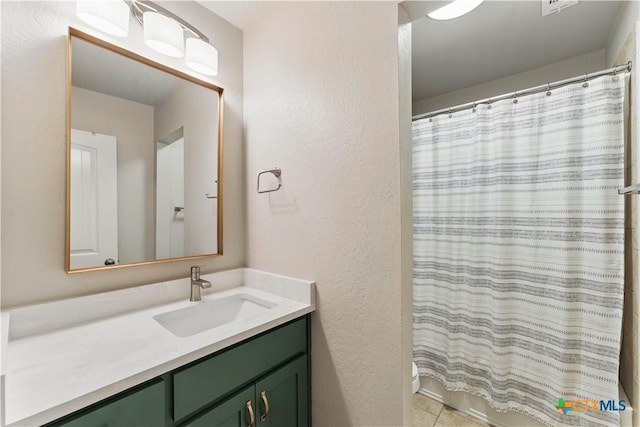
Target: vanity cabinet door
{"x": 285, "y": 393}
{"x": 233, "y": 412}
{"x": 210, "y": 379}
{"x": 142, "y": 407}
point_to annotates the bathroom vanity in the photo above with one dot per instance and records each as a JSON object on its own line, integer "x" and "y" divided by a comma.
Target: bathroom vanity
{"x": 230, "y": 348}
{"x": 261, "y": 381}
{"x": 97, "y": 367}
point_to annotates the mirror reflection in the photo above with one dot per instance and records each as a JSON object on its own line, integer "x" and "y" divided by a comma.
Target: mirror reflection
{"x": 143, "y": 160}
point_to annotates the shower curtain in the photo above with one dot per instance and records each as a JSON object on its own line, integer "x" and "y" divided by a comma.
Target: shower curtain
{"x": 519, "y": 251}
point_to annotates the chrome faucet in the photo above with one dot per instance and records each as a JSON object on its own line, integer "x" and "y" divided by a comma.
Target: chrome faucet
{"x": 197, "y": 283}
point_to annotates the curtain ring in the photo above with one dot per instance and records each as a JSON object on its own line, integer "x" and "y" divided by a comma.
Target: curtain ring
{"x": 585, "y": 84}
{"x": 474, "y": 107}
{"x": 548, "y": 89}
{"x": 515, "y": 97}
{"x": 430, "y": 119}
{"x": 489, "y": 106}
{"x": 450, "y": 115}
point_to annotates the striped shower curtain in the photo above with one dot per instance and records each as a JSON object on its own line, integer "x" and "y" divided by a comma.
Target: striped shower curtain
{"x": 519, "y": 251}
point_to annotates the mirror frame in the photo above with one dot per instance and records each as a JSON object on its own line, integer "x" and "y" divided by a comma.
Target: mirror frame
{"x": 73, "y": 32}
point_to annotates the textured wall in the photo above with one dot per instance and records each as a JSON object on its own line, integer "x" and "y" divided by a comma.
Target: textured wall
{"x": 33, "y": 152}
{"x": 625, "y": 23}
{"x": 406, "y": 202}
{"x": 321, "y": 86}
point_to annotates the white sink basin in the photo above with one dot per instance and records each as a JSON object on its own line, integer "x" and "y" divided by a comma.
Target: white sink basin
{"x": 209, "y": 314}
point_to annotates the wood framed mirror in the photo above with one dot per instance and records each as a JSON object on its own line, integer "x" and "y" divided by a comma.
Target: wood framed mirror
{"x": 144, "y": 160}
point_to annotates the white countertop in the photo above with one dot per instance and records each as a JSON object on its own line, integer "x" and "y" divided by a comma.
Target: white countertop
{"x": 55, "y": 364}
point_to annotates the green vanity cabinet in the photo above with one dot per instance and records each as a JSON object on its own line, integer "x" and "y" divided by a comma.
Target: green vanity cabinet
{"x": 279, "y": 399}
{"x": 207, "y": 380}
{"x": 270, "y": 369}
{"x": 123, "y": 409}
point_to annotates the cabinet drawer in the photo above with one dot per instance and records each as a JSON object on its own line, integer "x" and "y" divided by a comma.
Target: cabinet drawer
{"x": 143, "y": 406}
{"x": 206, "y": 381}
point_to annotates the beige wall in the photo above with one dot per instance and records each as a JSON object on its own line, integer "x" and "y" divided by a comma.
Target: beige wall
{"x": 406, "y": 203}
{"x": 321, "y": 103}
{"x": 132, "y": 125}
{"x": 624, "y": 25}
{"x": 571, "y": 67}
{"x": 1, "y": 192}
{"x": 33, "y": 78}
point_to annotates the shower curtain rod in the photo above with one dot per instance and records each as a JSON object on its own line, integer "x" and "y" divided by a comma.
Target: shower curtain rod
{"x": 530, "y": 91}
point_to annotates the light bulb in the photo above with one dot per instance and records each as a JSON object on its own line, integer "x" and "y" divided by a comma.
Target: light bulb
{"x": 111, "y": 17}
{"x": 163, "y": 34}
{"x": 202, "y": 57}
{"x": 454, "y": 9}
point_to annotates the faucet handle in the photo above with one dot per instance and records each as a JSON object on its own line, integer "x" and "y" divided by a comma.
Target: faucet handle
{"x": 195, "y": 272}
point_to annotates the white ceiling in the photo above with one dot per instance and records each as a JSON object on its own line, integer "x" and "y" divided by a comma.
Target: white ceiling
{"x": 498, "y": 39}
{"x": 242, "y": 14}
{"x": 501, "y": 38}
{"x": 101, "y": 70}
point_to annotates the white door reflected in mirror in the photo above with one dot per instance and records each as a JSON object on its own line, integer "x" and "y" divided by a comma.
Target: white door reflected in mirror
{"x": 94, "y": 199}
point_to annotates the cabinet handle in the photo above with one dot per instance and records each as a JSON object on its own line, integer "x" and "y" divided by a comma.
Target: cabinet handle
{"x": 252, "y": 418}
{"x": 265, "y": 402}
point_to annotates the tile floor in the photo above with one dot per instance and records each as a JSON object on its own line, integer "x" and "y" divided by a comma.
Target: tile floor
{"x": 429, "y": 413}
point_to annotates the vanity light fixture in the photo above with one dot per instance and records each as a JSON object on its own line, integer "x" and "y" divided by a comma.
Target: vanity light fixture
{"x": 454, "y": 9}
{"x": 163, "y": 34}
{"x": 164, "y": 31}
